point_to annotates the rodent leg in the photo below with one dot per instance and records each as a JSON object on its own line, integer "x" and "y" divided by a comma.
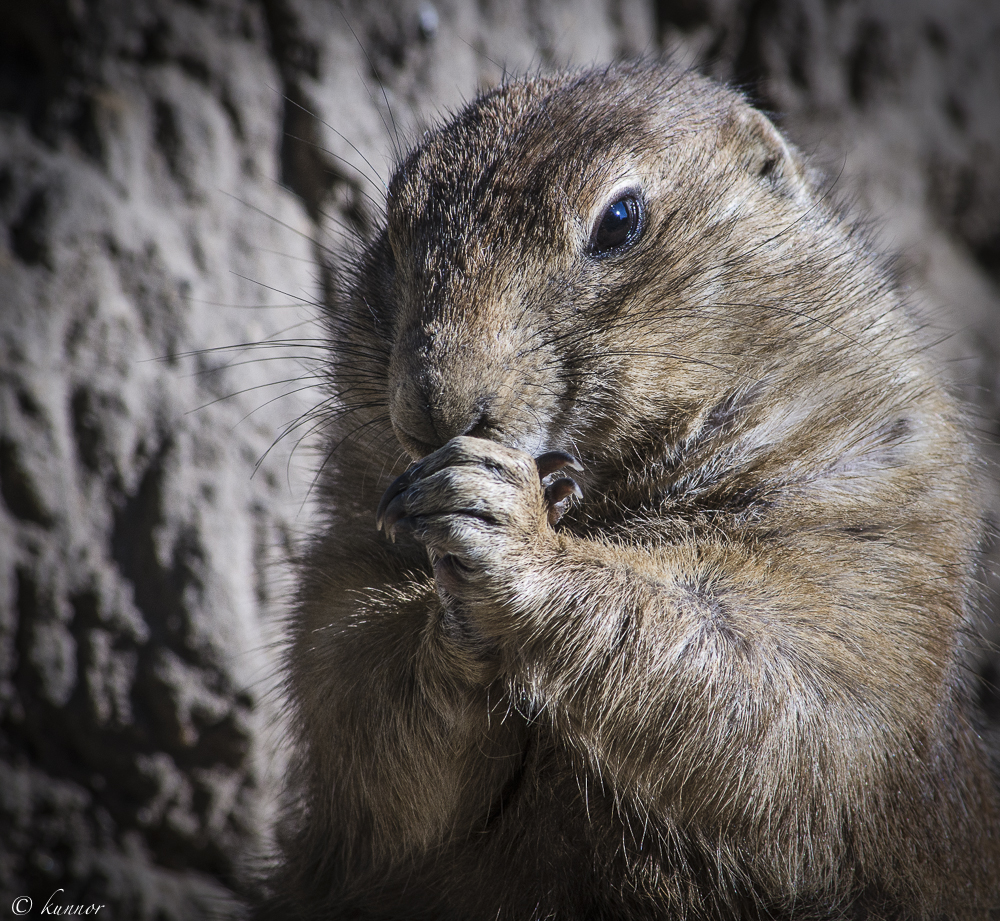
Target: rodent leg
{"x": 587, "y": 630}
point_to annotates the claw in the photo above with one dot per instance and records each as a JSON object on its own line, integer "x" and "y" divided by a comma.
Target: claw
{"x": 552, "y": 461}
{"x": 392, "y": 513}
{"x": 558, "y": 495}
{"x": 398, "y": 486}
{"x": 562, "y": 489}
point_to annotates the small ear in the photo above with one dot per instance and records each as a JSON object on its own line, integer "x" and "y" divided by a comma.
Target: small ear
{"x": 765, "y": 154}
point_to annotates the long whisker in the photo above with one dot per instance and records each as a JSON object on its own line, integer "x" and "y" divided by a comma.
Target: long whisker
{"x": 346, "y": 140}
{"x": 397, "y": 146}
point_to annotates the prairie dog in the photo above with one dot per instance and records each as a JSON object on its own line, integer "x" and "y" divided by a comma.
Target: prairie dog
{"x": 663, "y": 621}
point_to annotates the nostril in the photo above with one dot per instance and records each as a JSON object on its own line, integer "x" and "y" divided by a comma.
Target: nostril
{"x": 482, "y": 427}
{"x": 450, "y": 421}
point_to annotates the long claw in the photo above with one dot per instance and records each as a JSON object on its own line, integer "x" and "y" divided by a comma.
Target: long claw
{"x": 562, "y": 489}
{"x": 392, "y": 513}
{"x": 559, "y": 495}
{"x": 398, "y": 485}
{"x": 552, "y": 461}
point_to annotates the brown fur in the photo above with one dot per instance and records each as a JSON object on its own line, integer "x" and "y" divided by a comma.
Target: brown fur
{"x": 727, "y": 683}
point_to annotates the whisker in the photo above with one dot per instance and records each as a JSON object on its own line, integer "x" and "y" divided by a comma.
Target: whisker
{"x": 374, "y": 172}
{"x": 397, "y": 146}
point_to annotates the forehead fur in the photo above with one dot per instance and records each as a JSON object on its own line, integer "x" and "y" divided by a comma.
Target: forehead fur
{"x": 514, "y": 149}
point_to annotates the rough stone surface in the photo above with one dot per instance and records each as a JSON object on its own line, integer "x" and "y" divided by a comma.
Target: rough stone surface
{"x": 177, "y": 182}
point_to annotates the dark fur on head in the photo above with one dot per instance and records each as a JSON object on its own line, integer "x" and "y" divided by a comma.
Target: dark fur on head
{"x": 725, "y": 684}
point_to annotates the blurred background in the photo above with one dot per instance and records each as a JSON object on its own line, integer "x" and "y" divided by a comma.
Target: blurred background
{"x": 177, "y": 183}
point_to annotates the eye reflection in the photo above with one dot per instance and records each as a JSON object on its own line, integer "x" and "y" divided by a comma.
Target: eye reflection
{"x": 618, "y": 226}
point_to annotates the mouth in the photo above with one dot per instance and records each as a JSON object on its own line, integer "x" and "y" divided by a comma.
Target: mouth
{"x": 416, "y": 448}
{"x": 533, "y": 443}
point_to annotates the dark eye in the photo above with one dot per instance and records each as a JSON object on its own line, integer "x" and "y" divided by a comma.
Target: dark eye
{"x": 618, "y": 227}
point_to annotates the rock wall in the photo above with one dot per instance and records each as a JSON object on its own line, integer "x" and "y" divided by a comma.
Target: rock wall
{"x": 177, "y": 183}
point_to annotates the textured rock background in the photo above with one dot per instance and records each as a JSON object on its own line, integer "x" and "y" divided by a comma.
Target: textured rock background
{"x": 177, "y": 180}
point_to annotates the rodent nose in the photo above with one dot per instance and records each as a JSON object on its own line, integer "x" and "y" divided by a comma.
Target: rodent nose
{"x": 426, "y": 416}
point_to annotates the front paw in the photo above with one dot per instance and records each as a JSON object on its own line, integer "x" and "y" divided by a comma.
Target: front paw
{"x": 481, "y": 509}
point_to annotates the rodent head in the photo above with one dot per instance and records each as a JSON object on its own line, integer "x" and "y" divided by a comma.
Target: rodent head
{"x": 572, "y": 257}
